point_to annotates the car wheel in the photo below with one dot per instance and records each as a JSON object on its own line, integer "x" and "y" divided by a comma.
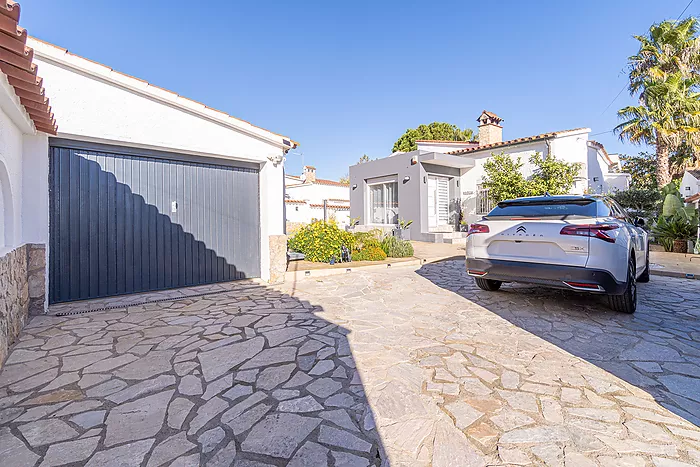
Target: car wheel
{"x": 627, "y": 302}
{"x": 488, "y": 284}
{"x": 644, "y": 277}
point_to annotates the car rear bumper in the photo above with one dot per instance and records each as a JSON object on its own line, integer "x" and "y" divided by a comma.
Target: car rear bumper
{"x": 552, "y": 275}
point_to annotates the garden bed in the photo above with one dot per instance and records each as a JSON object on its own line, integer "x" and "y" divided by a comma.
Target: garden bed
{"x": 309, "y": 265}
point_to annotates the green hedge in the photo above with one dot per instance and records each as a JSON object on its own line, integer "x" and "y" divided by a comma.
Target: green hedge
{"x": 396, "y": 248}
{"x": 370, "y": 253}
{"x": 320, "y": 241}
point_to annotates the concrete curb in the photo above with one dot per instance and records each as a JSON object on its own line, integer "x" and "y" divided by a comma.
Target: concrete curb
{"x": 313, "y": 273}
{"x": 676, "y": 274}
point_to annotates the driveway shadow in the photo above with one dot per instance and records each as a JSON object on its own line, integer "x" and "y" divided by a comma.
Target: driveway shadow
{"x": 657, "y": 349}
{"x": 246, "y": 377}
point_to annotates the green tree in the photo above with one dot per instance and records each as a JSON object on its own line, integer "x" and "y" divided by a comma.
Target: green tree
{"x": 436, "y": 131}
{"x": 363, "y": 159}
{"x": 642, "y": 168}
{"x": 345, "y": 179}
{"x": 551, "y": 175}
{"x": 505, "y": 180}
{"x": 664, "y": 73}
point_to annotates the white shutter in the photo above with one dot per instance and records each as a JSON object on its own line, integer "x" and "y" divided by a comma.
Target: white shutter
{"x": 443, "y": 201}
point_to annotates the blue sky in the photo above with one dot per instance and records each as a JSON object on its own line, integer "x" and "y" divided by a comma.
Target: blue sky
{"x": 348, "y": 78}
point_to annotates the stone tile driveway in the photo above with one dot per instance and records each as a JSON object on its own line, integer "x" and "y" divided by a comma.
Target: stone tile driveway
{"x": 298, "y": 374}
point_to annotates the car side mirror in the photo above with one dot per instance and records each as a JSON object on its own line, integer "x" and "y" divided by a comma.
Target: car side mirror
{"x": 639, "y": 222}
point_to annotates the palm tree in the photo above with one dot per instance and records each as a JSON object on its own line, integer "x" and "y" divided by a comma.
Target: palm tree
{"x": 669, "y": 47}
{"x": 665, "y": 73}
{"x": 667, "y": 116}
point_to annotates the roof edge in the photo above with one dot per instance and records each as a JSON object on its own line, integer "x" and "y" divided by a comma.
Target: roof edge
{"x": 62, "y": 57}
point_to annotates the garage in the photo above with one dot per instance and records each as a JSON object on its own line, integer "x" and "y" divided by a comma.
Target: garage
{"x": 127, "y": 220}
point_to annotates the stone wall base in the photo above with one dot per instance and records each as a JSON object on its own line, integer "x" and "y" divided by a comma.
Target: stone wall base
{"x": 22, "y": 291}
{"x": 278, "y": 258}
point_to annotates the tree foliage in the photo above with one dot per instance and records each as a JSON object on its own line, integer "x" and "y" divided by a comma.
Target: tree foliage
{"x": 505, "y": 180}
{"x": 665, "y": 74}
{"x": 639, "y": 202}
{"x": 642, "y": 168}
{"x": 434, "y": 131}
{"x": 363, "y": 159}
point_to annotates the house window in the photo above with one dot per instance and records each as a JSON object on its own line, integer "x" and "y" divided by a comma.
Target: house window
{"x": 484, "y": 204}
{"x": 384, "y": 203}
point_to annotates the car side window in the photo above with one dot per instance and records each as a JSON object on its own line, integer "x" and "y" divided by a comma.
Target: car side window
{"x": 621, "y": 213}
{"x": 604, "y": 209}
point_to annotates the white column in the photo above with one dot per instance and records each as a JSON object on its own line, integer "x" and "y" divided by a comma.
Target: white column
{"x": 271, "y": 211}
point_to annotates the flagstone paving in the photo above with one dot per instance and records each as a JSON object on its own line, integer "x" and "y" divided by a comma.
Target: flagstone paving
{"x": 396, "y": 367}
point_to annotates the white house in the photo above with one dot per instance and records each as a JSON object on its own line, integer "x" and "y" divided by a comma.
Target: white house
{"x": 439, "y": 181}
{"x": 308, "y": 198}
{"x": 139, "y": 189}
{"x": 690, "y": 183}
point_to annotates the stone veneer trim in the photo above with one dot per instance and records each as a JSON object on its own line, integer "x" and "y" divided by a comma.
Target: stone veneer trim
{"x": 22, "y": 291}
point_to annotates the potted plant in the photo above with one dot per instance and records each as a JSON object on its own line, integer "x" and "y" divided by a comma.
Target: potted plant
{"x": 674, "y": 232}
{"x": 402, "y": 230}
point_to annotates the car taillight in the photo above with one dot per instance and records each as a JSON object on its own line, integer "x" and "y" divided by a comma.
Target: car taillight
{"x": 591, "y": 230}
{"x": 478, "y": 228}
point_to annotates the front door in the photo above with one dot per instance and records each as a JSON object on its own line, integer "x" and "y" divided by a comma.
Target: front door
{"x": 438, "y": 201}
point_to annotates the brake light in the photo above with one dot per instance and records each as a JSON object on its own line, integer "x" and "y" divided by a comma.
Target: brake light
{"x": 478, "y": 228}
{"x": 600, "y": 231}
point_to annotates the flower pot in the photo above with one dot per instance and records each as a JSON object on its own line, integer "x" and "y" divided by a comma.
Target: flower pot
{"x": 680, "y": 246}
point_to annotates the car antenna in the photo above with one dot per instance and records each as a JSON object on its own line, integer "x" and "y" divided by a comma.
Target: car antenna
{"x": 546, "y": 193}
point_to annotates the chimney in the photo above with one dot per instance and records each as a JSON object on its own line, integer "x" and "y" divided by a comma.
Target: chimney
{"x": 490, "y": 129}
{"x": 309, "y": 174}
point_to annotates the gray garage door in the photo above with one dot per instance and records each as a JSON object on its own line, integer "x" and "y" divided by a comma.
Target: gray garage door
{"x": 125, "y": 223}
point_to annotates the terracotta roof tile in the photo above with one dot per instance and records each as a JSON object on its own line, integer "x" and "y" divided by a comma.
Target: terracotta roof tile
{"x": 692, "y": 199}
{"x": 527, "y": 139}
{"x": 16, "y": 62}
{"x": 321, "y": 181}
{"x": 445, "y": 141}
{"x": 602, "y": 148}
{"x": 295, "y": 201}
{"x": 695, "y": 173}
{"x": 337, "y": 207}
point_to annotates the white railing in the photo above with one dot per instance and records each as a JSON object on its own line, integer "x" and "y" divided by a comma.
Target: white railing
{"x": 484, "y": 204}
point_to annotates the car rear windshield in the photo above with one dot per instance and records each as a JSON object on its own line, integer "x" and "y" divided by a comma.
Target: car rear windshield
{"x": 553, "y": 208}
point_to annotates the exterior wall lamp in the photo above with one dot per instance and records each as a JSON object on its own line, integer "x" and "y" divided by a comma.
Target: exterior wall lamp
{"x": 354, "y": 186}
{"x": 406, "y": 179}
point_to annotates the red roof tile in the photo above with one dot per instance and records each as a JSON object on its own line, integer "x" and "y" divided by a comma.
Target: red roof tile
{"x": 692, "y": 199}
{"x": 16, "y": 62}
{"x": 337, "y": 207}
{"x": 321, "y": 181}
{"x": 527, "y": 139}
{"x": 295, "y": 201}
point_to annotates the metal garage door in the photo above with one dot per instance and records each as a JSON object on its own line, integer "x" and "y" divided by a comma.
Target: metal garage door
{"x": 121, "y": 224}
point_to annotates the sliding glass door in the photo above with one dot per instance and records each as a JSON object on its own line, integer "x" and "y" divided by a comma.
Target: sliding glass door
{"x": 384, "y": 203}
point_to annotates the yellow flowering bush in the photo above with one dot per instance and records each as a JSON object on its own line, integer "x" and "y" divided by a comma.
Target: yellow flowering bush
{"x": 320, "y": 241}
{"x": 369, "y": 253}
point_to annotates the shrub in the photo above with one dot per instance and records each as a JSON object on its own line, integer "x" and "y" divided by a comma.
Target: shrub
{"x": 367, "y": 239}
{"x": 639, "y": 202}
{"x": 321, "y": 241}
{"x": 676, "y": 227}
{"x": 396, "y": 248}
{"x": 370, "y": 253}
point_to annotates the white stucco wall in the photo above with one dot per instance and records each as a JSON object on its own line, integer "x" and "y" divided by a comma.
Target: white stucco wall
{"x": 23, "y": 175}
{"x": 689, "y": 185}
{"x": 95, "y": 104}
{"x": 315, "y": 194}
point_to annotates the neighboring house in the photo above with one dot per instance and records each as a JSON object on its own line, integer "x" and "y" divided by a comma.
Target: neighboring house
{"x": 308, "y": 199}
{"x": 433, "y": 184}
{"x": 690, "y": 184}
{"x": 140, "y": 190}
